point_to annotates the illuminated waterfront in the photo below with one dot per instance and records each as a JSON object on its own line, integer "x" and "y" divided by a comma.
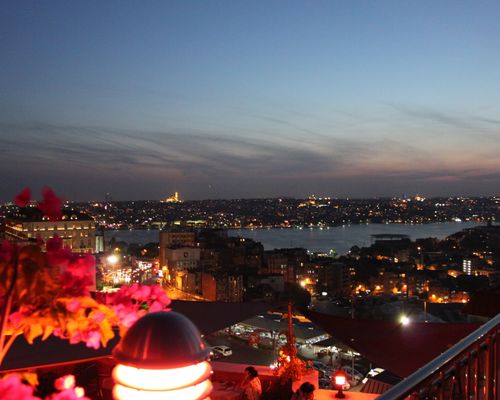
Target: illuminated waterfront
{"x": 340, "y": 238}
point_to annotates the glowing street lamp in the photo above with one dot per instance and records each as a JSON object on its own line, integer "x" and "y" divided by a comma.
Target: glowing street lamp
{"x": 405, "y": 320}
{"x": 162, "y": 357}
{"x": 339, "y": 380}
{"x": 112, "y": 259}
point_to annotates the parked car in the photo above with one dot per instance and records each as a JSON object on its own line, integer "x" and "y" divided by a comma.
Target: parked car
{"x": 361, "y": 368}
{"x": 223, "y": 351}
{"x": 354, "y": 376}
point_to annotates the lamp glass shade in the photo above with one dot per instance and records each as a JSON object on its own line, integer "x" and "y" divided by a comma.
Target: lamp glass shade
{"x": 162, "y": 379}
{"x": 196, "y": 392}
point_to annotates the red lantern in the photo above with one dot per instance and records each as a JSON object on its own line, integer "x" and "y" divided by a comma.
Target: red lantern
{"x": 339, "y": 379}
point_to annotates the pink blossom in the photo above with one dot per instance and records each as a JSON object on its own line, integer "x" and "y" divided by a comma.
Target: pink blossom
{"x": 51, "y": 205}
{"x": 70, "y": 394}
{"x": 23, "y": 198}
{"x": 93, "y": 340}
{"x": 156, "y": 306}
{"x": 65, "y": 382}
{"x": 16, "y": 317}
{"x": 126, "y": 316}
{"x": 98, "y": 317}
{"x": 73, "y": 305}
{"x": 12, "y": 388}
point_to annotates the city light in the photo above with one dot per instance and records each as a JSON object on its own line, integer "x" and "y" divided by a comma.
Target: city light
{"x": 112, "y": 259}
{"x": 405, "y": 320}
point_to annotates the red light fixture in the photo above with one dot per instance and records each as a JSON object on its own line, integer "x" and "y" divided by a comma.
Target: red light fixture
{"x": 339, "y": 380}
{"x": 162, "y": 357}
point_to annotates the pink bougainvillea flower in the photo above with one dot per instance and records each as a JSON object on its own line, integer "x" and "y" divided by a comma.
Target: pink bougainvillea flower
{"x": 70, "y": 394}
{"x": 16, "y": 317}
{"x": 73, "y": 305}
{"x": 93, "y": 340}
{"x": 23, "y": 198}
{"x": 65, "y": 382}
{"x": 98, "y": 317}
{"x": 11, "y": 388}
{"x": 51, "y": 205}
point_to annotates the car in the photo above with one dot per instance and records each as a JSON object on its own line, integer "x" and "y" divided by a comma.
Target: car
{"x": 354, "y": 376}
{"x": 361, "y": 368}
{"x": 318, "y": 365}
{"x": 223, "y": 351}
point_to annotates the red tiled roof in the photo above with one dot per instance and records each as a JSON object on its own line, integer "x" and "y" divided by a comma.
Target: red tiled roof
{"x": 397, "y": 348}
{"x": 484, "y": 304}
{"x": 374, "y": 386}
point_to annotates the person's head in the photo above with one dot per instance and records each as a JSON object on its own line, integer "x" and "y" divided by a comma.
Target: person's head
{"x": 252, "y": 372}
{"x": 307, "y": 388}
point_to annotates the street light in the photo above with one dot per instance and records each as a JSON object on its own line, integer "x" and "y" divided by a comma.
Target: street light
{"x": 339, "y": 379}
{"x": 112, "y": 259}
{"x": 405, "y": 320}
{"x": 162, "y": 357}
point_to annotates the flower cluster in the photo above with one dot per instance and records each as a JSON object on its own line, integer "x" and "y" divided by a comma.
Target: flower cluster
{"x": 12, "y": 388}
{"x": 45, "y": 293}
{"x": 132, "y": 302}
{"x": 50, "y": 205}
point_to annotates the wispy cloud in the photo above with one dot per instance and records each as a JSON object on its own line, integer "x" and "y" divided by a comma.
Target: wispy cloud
{"x": 191, "y": 159}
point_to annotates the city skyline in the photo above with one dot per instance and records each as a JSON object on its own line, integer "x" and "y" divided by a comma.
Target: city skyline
{"x": 240, "y": 100}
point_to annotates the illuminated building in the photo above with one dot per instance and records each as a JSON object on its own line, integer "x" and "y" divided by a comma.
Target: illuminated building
{"x": 76, "y": 229}
{"x": 175, "y": 237}
{"x": 172, "y": 199}
{"x": 467, "y": 266}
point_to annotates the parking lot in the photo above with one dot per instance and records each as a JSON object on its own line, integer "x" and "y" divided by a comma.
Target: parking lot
{"x": 251, "y": 343}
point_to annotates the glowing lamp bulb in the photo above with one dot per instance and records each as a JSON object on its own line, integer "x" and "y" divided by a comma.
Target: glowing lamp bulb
{"x": 112, "y": 259}
{"x": 191, "y": 382}
{"x": 340, "y": 379}
{"x": 405, "y": 320}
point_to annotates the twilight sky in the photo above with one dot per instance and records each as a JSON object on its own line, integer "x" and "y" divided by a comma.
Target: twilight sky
{"x": 249, "y": 98}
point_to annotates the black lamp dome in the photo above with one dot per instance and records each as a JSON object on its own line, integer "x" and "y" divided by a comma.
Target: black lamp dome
{"x": 161, "y": 340}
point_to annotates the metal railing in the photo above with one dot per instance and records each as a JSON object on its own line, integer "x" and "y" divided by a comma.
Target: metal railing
{"x": 470, "y": 370}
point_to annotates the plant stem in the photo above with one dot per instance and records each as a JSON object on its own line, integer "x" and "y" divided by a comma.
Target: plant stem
{"x": 7, "y": 307}
{"x": 7, "y": 346}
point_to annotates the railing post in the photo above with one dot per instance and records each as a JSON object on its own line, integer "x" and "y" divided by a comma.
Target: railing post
{"x": 475, "y": 364}
{"x": 470, "y": 358}
{"x": 468, "y": 373}
{"x": 441, "y": 387}
{"x": 496, "y": 365}
{"x": 487, "y": 369}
